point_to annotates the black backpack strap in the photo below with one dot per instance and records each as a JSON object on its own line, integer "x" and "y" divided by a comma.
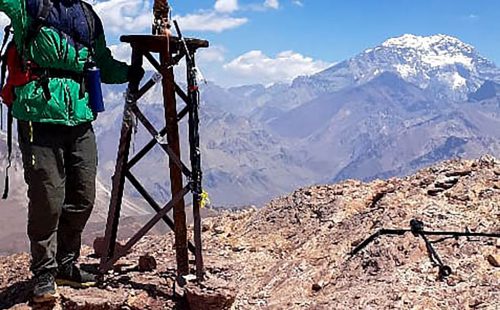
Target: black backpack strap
{"x": 3, "y": 73}
{"x": 43, "y": 12}
{"x": 3, "y": 66}
{"x": 44, "y": 9}
{"x": 91, "y": 24}
{"x": 10, "y": 121}
{"x": 3, "y": 53}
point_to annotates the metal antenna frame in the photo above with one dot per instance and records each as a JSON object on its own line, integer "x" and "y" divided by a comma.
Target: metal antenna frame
{"x": 417, "y": 229}
{"x": 171, "y": 50}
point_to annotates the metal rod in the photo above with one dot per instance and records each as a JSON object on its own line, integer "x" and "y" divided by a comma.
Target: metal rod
{"x": 138, "y": 186}
{"x": 423, "y": 232}
{"x": 182, "y": 94}
{"x": 146, "y": 228}
{"x": 195, "y": 156}
{"x": 174, "y": 157}
{"x": 153, "y": 61}
{"x": 147, "y": 86}
{"x": 183, "y": 113}
{"x": 139, "y": 155}
{"x": 156, "y": 64}
{"x": 460, "y": 234}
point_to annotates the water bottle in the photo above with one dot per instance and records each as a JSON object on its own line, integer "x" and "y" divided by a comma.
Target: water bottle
{"x": 93, "y": 75}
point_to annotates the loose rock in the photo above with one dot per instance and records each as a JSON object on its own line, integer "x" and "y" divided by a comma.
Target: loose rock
{"x": 147, "y": 263}
{"x": 494, "y": 260}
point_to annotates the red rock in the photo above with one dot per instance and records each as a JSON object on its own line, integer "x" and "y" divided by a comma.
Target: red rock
{"x": 147, "y": 263}
{"x": 211, "y": 295}
{"x": 98, "y": 246}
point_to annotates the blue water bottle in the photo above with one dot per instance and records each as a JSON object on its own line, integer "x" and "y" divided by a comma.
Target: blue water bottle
{"x": 94, "y": 88}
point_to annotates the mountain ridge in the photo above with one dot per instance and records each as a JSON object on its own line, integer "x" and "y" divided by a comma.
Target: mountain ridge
{"x": 260, "y": 141}
{"x": 444, "y": 65}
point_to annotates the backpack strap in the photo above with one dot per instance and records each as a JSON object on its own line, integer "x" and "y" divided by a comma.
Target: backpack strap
{"x": 41, "y": 17}
{"x": 91, "y": 24}
{"x": 10, "y": 120}
{"x": 3, "y": 73}
{"x": 3, "y": 58}
{"x": 43, "y": 12}
{"x": 44, "y": 9}
{"x": 3, "y": 66}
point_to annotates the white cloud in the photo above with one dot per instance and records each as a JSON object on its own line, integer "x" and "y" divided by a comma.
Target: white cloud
{"x": 253, "y": 67}
{"x": 4, "y": 20}
{"x": 209, "y": 21}
{"x": 273, "y": 4}
{"x": 226, "y": 6}
{"x": 256, "y": 67}
{"x": 123, "y": 52}
{"x": 135, "y": 16}
{"x": 212, "y": 54}
{"x": 119, "y": 16}
{"x": 298, "y": 2}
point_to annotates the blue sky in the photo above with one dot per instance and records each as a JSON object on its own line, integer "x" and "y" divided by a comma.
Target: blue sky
{"x": 266, "y": 41}
{"x": 329, "y": 31}
{"x": 334, "y": 30}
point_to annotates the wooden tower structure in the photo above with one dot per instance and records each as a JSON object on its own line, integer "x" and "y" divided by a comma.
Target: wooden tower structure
{"x": 170, "y": 50}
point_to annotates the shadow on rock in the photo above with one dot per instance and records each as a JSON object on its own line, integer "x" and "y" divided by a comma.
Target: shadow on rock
{"x": 17, "y": 293}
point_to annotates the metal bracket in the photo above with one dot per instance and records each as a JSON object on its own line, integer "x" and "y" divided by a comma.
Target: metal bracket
{"x": 417, "y": 229}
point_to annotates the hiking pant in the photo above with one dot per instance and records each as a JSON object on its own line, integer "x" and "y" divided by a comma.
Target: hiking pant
{"x": 60, "y": 170}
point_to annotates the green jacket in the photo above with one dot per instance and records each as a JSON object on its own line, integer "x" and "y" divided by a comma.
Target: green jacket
{"x": 51, "y": 48}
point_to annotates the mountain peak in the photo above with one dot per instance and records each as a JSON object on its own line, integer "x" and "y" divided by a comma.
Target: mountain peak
{"x": 434, "y": 51}
{"x": 441, "y": 64}
{"x": 438, "y": 41}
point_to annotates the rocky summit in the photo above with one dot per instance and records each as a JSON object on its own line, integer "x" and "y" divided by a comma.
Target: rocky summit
{"x": 294, "y": 253}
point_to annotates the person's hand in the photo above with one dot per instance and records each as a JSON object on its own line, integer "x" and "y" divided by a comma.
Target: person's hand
{"x": 135, "y": 74}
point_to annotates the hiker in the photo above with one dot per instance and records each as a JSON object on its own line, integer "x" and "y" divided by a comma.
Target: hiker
{"x": 58, "y": 42}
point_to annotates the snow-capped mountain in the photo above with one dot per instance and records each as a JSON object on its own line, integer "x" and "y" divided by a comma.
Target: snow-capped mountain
{"x": 442, "y": 65}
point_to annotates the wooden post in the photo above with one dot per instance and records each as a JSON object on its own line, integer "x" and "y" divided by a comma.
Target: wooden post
{"x": 118, "y": 180}
{"x": 175, "y": 171}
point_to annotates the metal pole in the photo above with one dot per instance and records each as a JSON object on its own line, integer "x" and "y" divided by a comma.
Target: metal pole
{"x": 195, "y": 156}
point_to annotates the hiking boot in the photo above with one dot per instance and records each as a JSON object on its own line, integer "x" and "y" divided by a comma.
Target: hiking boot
{"x": 71, "y": 275}
{"x": 45, "y": 288}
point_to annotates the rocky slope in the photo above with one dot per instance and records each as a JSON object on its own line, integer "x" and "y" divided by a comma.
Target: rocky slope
{"x": 293, "y": 253}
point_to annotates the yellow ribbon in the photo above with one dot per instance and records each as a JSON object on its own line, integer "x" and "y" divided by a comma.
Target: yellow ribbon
{"x": 204, "y": 199}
